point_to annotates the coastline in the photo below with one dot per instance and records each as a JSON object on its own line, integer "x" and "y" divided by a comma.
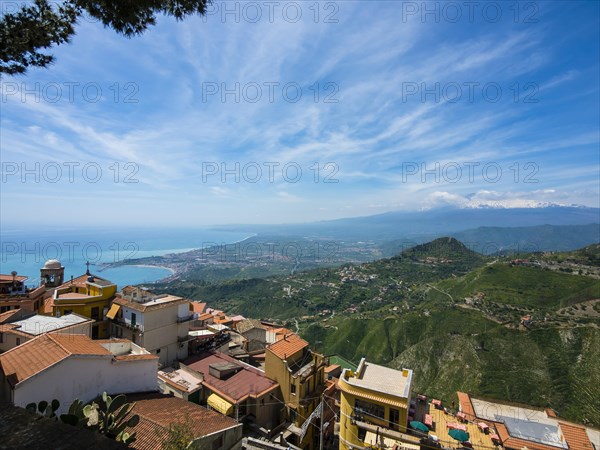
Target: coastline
{"x": 170, "y": 269}
{"x": 176, "y": 272}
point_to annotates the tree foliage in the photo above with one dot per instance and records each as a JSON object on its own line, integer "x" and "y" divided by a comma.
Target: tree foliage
{"x": 179, "y": 435}
{"x": 27, "y": 33}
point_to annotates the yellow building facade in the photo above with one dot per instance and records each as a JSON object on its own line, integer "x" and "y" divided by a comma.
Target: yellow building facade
{"x": 89, "y": 296}
{"x": 300, "y": 373}
{"x": 374, "y": 404}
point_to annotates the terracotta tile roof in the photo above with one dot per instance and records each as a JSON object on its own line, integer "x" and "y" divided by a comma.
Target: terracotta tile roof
{"x": 248, "y": 324}
{"x": 13, "y": 329}
{"x": 576, "y": 436}
{"x": 80, "y": 344}
{"x": 248, "y": 382}
{"x": 288, "y": 346}
{"x": 510, "y": 442}
{"x": 198, "y": 307}
{"x": 223, "y": 320}
{"x": 9, "y": 278}
{"x": 205, "y": 316}
{"x": 36, "y": 355}
{"x": 81, "y": 281}
{"x": 7, "y": 315}
{"x": 466, "y": 406}
{"x": 157, "y": 411}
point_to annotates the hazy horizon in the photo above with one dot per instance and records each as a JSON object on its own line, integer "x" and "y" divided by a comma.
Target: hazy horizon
{"x": 305, "y": 114}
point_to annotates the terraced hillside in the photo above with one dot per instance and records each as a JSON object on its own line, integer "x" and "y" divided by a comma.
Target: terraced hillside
{"x": 498, "y": 327}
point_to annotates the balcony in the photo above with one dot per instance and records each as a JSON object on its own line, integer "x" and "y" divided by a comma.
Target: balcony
{"x": 185, "y": 318}
{"x": 129, "y": 325}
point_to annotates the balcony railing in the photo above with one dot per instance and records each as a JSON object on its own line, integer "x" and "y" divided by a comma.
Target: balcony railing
{"x": 185, "y": 318}
{"x": 121, "y": 322}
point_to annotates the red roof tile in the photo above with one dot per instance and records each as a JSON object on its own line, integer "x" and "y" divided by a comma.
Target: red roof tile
{"x": 38, "y": 354}
{"x": 158, "y": 411}
{"x": 510, "y": 442}
{"x": 466, "y": 406}
{"x": 9, "y": 278}
{"x": 81, "y": 281}
{"x": 576, "y": 436}
{"x": 198, "y": 307}
{"x": 288, "y": 346}
{"x": 7, "y": 315}
{"x": 248, "y": 382}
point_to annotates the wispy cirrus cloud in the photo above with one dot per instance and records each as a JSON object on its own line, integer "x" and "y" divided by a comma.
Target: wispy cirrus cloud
{"x": 377, "y": 99}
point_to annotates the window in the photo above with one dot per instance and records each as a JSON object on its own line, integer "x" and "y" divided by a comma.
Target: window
{"x": 95, "y": 332}
{"x": 18, "y": 341}
{"x": 1, "y": 338}
{"x": 368, "y": 409}
{"x": 133, "y": 319}
{"x": 158, "y": 351}
{"x": 293, "y": 389}
{"x": 96, "y": 313}
{"x": 394, "y": 419}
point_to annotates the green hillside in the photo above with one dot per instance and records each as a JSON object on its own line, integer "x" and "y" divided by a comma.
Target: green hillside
{"x": 451, "y": 315}
{"x": 525, "y": 286}
{"x": 457, "y": 350}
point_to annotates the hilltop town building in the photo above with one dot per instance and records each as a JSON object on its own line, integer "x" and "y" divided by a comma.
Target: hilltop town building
{"x": 22, "y": 326}
{"x": 87, "y": 295}
{"x": 159, "y": 323}
{"x": 300, "y": 373}
{"x": 373, "y": 398}
{"x": 70, "y": 366}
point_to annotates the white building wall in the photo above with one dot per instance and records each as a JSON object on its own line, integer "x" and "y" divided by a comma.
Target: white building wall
{"x": 84, "y": 378}
{"x": 160, "y": 331}
{"x": 139, "y": 317}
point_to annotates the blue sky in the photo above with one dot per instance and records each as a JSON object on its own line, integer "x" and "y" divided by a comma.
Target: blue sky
{"x": 381, "y": 105}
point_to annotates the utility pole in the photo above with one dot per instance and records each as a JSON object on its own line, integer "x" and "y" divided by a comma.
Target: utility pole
{"x": 321, "y": 427}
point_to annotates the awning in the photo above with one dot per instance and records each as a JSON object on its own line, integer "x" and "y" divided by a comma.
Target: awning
{"x": 219, "y": 404}
{"x": 114, "y": 309}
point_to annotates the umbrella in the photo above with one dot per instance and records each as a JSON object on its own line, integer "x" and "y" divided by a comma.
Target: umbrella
{"x": 415, "y": 424}
{"x": 459, "y": 435}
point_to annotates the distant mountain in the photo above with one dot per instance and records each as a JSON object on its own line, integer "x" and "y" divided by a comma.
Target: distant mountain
{"x": 425, "y": 225}
{"x": 445, "y": 247}
{"x": 541, "y": 238}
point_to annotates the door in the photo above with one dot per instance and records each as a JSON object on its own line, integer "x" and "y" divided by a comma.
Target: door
{"x": 394, "y": 419}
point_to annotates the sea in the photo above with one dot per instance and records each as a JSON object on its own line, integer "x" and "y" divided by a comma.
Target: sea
{"x": 26, "y": 250}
